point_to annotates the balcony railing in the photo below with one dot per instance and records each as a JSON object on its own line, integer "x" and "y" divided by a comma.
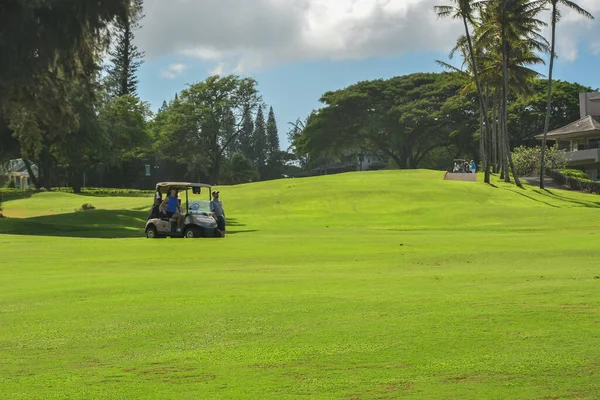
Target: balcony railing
{"x": 587, "y": 155}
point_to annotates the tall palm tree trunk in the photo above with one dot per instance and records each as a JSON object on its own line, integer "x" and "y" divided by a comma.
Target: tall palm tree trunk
{"x": 482, "y": 153}
{"x": 502, "y": 149}
{"x": 488, "y": 132}
{"x": 482, "y": 104}
{"x": 494, "y": 140}
{"x": 505, "y": 51}
{"x": 549, "y": 106}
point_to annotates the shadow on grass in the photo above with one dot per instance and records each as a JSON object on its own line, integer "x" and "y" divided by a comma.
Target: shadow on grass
{"x": 548, "y": 193}
{"x": 84, "y": 224}
{"x": 100, "y": 224}
{"x": 534, "y": 199}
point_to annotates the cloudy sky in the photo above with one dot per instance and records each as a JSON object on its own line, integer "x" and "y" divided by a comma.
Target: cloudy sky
{"x": 298, "y": 49}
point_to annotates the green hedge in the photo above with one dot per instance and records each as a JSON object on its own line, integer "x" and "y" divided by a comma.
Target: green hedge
{"x": 9, "y": 194}
{"x": 575, "y": 173}
{"x": 581, "y": 185}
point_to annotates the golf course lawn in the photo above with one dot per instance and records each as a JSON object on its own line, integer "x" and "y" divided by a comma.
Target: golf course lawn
{"x": 372, "y": 285}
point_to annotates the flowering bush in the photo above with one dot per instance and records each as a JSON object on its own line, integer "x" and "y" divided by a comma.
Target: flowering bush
{"x": 527, "y": 160}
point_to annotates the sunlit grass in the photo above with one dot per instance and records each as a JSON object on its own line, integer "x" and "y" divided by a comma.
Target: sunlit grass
{"x": 364, "y": 285}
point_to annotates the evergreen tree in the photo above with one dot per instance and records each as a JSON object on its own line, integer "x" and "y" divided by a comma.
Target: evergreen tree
{"x": 272, "y": 135}
{"x": 228, "y": 133}
{"x": 244, "y": 139}
{"x": 259, "y": 143}
{"x": 274, "y": 154}
{"x": 163, "y": 108}
{"x": 125, "y": 57}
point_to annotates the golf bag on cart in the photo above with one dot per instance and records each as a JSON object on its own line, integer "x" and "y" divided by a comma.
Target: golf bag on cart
{"x": 155, "y": 210}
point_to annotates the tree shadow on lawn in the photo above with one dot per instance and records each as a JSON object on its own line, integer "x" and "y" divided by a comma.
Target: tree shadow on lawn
{"x": 99, "y": 224}
{"x": 548, "y": 193}
{"x": 534, "y": 199}
{"x": 103, "y": 224}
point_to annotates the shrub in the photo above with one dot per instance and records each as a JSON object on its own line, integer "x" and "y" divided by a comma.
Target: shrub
{"x": 575, "y": 173}
{"x": 586, "y": 185}
{"x": 527, "y": 160}
{"x": 9, "y": 184}
{"x": 87, "y": 206}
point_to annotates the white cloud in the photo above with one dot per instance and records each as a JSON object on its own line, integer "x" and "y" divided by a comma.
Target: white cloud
{"x": 218, "y": 69}
{"x": 242, "y": 35}
{"x": 574, "y": 30}
{"x": 173, "y": 71}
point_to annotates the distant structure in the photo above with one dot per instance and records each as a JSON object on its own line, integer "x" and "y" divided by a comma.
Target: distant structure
{"x": 581, "y": 138}
{"x": 16, "y": 172}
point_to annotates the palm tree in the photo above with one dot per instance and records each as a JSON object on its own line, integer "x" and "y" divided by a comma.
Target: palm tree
{"x": 555, "y": 18}
{"x": 464, "y": 10}
{"x": 512, "y": 24}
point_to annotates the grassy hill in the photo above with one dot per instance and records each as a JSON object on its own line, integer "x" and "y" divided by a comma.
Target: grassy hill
{"x": 393, "y": 284}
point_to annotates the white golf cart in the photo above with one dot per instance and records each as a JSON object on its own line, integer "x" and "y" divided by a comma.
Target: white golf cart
{"x": 198, "y": 221}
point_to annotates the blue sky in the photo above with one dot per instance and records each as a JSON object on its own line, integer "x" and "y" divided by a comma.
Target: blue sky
{"x": 299, "y": 49}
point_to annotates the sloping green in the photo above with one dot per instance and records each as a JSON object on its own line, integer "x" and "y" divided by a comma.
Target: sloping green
{"x": 378, "y": 285}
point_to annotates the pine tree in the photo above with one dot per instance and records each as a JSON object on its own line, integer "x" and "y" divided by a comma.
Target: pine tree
{"x": 272, "y": 136}
{"x": 244, "y": 140}
{"x": 274, "y": 154}
{"x": 228, "y": 128}
{"x": 125, "y": 57}
{"x": 259, "y": 143}
{"x": 163, "y": 108}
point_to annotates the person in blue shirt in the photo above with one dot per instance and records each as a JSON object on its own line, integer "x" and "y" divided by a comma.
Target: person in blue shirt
{"x": 173, "y": 210}
{"x": 473, "y": 167}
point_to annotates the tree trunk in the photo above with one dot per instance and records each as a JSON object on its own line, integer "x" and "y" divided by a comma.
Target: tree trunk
{"x": 75, "y": 179}
{"x": 494, "y": 140}
{"x": 549, "y": 105}
{"x": 481, "y": 141}
{"x": 215, "y": 169}
{"x": 505, "y": 51}
{"x": 501, "y": 149}
{"x": 45, "y": 168}
{"x": 482, "y": 104}
{"x": 488, "y": 135}
{"x": 34, "y": 179}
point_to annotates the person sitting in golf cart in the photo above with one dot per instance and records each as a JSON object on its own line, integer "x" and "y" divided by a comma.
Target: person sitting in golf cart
{"x": 173, "y": 209}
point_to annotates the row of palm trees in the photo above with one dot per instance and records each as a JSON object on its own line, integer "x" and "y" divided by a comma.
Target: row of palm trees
{"x": 503, "y": 40}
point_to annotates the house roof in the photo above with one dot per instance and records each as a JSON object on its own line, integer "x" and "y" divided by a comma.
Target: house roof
{"x": 581, "y": 128}
{"x": 18, "y": 166}
{"x": 595, "y": 97}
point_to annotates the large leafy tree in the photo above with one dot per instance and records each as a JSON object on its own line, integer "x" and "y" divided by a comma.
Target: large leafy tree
{"x": 555, "y": 18}
{"x": 46, "y": 45}
{"x": 125, "y": 120}
{"x": 405, "y": 118}
{"x": 86, "y": 146}
{"x": 527, "y": 111}
{"x": 194, "y": 131}
{"x": 295, "y": 137}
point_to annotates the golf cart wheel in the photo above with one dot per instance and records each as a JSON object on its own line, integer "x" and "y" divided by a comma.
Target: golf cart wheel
{"x": 192, "y": 233}
{"x": 151, "y": 232}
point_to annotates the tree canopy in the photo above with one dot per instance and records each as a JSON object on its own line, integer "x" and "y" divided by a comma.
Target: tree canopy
{"x": 404, "y": 117}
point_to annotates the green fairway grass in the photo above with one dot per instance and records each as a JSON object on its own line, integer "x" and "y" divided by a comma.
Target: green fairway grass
{"x": 373, "y": 285}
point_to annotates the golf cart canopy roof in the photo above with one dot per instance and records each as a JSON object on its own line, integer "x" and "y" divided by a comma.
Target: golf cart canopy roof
{"x": 165, "y": 186}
